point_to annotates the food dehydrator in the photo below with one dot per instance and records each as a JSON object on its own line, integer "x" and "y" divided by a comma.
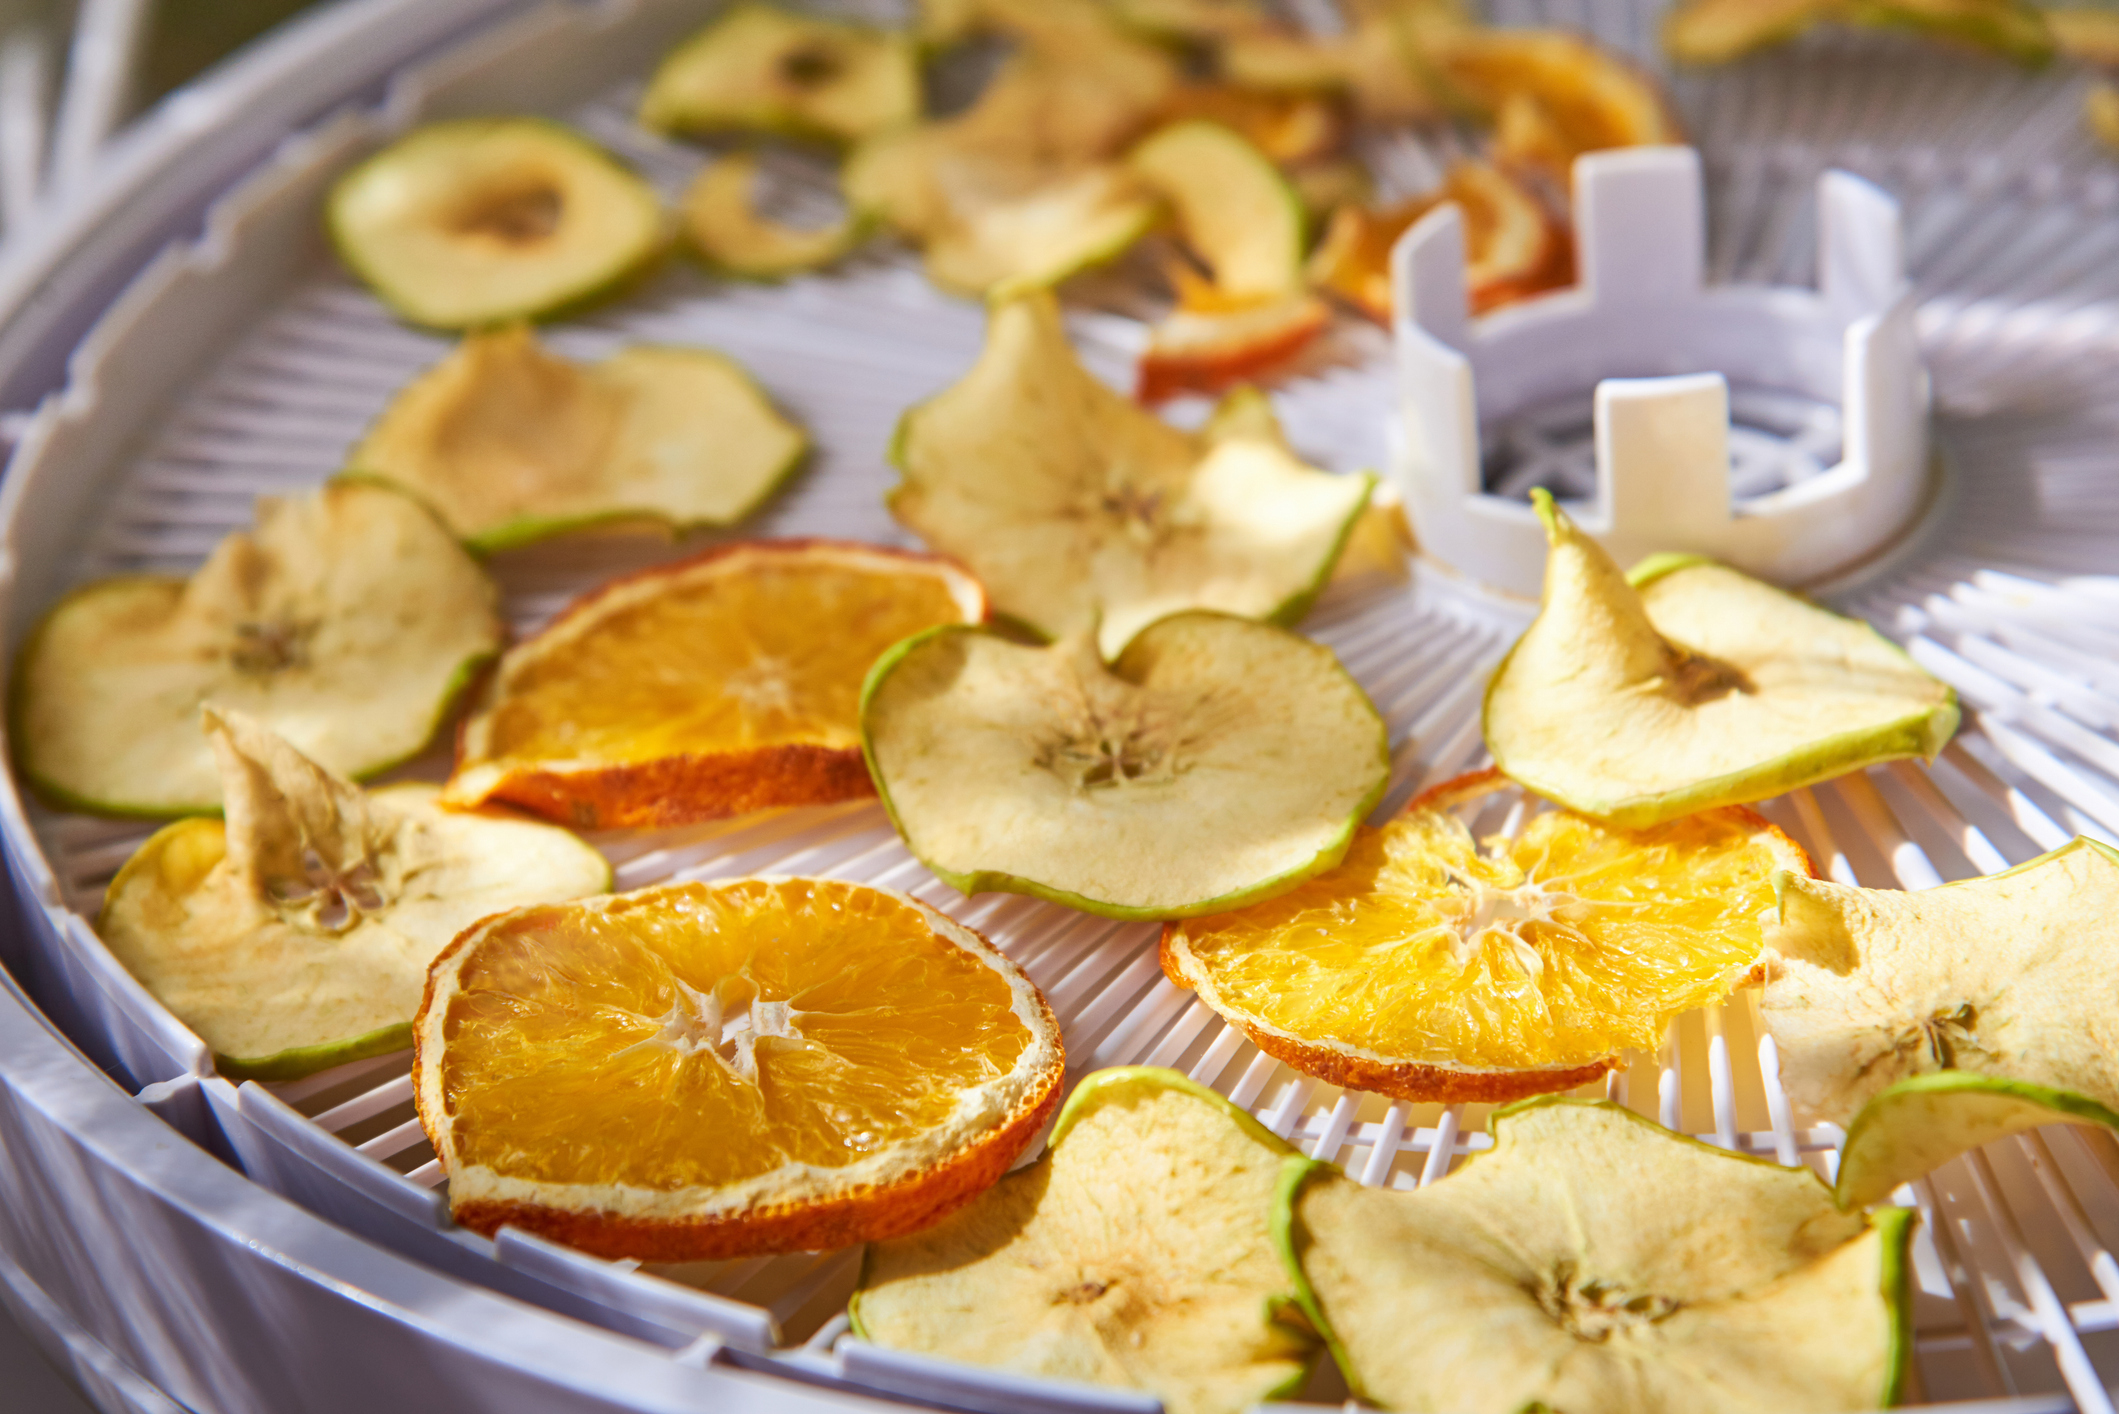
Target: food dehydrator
{"x": 176, "y": 339}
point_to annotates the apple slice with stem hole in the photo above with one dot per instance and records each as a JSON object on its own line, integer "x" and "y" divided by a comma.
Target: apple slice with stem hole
{"x": 760, "y": 69}
{"x": 1108, "y": 518}
{"x": 1136, "y": 1253}
{"x": 348, "y": 620}
{"x": 511, "y": 444}
{"x": 296, "y": 936}
{"x": 1595, "y": 1262}
{"x": 1216, "y": 761}
{"x": 1686, "y": 685}
{"x": 480, "y": 220}
{"x": 1931, "y": 1021}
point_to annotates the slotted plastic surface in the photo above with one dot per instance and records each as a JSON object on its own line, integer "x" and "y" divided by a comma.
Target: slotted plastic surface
{"x": 2012, "y": 237}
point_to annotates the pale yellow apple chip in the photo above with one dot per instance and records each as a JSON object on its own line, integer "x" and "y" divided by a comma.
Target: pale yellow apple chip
{"x": 1108, "y": 517}
{"x": 1594, "y": 1262}
{"x": 478, "y": 220}
{"x": 1215, "y": 761}
{"x": 297, "y": 935}
{"x": 347, "y": 621}
{"x": 761, "y": 69}
{"x": 1689, "y": 685}
{"x": 1137, "y": 1253}
{"x": 510, "y": 443}
{"x": 706, "y": 1071}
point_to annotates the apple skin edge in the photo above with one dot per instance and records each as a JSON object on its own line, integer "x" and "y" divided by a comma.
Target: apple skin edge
{"x": 1982, "y": 1108}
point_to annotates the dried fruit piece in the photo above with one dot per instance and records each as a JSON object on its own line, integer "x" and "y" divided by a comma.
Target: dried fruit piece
{"x": 1513, "y": 246}
{"x": 1109, "y": 518}
{"x": 296, "y": 936}
{"x": 2008, "y": 979}
{"x": 1376, "y": 63}
{"x": 1687, "y": 685}
{"x": 1246, "y": 223}
{"x": 1136, "y": 1253}
{"x": 720, "y": 684}
{"x": 1023, "y": 189}
{"x": 1597, "y": 1263}
{"x": 1428, "y": 968}
{"x": 482, "y": 220}
{"x": 722, "y": 221}
{"x": 347, "y": 621}
{"x": 2085, "y": 33}
{"x": 1286, "y": 128}
{"x": 758, "y": 69}
{"x": 510, "y": 444}
{"x": 1717, "y": 31}
{"x": 705, "y": 1071}
{"x": 1552, "y": 95}
{"x": 2015, "y": 29}
{"x": 1216, "y": 761}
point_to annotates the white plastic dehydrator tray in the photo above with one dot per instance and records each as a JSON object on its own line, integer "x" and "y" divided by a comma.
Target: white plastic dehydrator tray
{"x": 246, "y": 362}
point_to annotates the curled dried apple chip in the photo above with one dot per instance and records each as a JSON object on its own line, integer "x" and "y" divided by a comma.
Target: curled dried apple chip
{"x": 1595, "y": 1262}
{"x": 707, "y": 1071}
{"x": 1930, "y": 1022}
{"x": 296, "y": 936}
{"x": 509, "y": 443}
{"x": 1686, "y": 685}
{"x": 1108, "y": 518}
{"x": 1244, "y": 221}
{"x": 1513, "y": 246}
{"x": 722, "y": 221}
{"x": 1215, "y": 761}
{"x": 1431, "y": 966}
{"x": 721, "y": 684}
{"x": 1553, "y": 96}
{"x": 760, "y": 69}
{"x": 1287, "y": 128}
{"x": 1137, "y": 1253}
{"x": 479, "y": 220}
{"x": 1717, "y": 31}
{"x": 348, "y": 621}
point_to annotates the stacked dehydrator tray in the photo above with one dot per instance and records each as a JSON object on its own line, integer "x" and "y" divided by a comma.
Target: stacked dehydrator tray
{"x": 178, "y": 340}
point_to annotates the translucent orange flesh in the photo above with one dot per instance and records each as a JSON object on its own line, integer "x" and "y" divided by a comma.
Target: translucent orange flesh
{"x": 1573, "y": 942}
{"x": 631, "y": 1043}
{"x": 771, "y": 654}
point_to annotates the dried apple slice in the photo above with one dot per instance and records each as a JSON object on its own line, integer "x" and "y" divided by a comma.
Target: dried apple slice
{"x": 1595, "y": 1262}
{"x": 1552, "y": 95}
{"x": 348, "y": 622}
{"x": 721, "y": 219}
{"x": 1429, "y": 969}
{"x": 1717, "y": 31}
{"x": 1513, "y": 246}
{"x": 758, "y": 69}
{"x": 717, "y": 685}
{"x": 1216, "y": 761}
{"x": 1374, "y": 63}
{"x": 1192, "y": 19}
{"x": 1109, "y": 518}
{"x": 1136, "y": 1253}
{"x": 2009, "y": 983}
{"x": 1064, "y": 225}
{"x": 1287, "y": 127}
{"x": 510, "y": 444}
{"x": 707, "y": 1071}
{"x": 296, "y": 936}
{"x": 1637, "y": 699}
{"x": 1243, "y": 219}
{"x": 481, "y": 220}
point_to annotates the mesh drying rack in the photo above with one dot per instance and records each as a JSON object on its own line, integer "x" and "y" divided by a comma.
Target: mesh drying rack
{"x": 217, "y": 353}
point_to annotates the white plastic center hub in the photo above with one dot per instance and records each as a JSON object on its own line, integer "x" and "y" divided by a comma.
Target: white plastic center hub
{"x": 1663, "y": 350}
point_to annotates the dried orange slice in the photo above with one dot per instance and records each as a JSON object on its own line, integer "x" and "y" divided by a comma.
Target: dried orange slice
{"x": 1513, "y": 246}
{"x": 1553, "y": 96}
{"x": 721, "y": 684}
{"x": 1428, "y": 968}
{"x": 705, "y": 1071}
